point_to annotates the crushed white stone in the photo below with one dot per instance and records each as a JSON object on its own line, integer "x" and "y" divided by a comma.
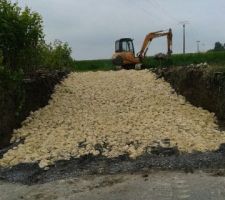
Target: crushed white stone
{"x": 112, "y": 113}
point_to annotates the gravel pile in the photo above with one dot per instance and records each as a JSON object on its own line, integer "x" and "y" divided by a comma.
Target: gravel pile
{"x": 111, "y": 114}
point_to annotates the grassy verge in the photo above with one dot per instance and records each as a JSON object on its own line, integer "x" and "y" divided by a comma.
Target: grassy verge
{"x": 212, "y": 58}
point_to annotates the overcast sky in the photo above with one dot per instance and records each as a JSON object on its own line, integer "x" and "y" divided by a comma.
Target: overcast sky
{"x": 91, "y": 26}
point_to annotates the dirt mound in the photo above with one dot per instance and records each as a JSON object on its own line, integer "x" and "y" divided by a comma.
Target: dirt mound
{"x": 112, "y": 114}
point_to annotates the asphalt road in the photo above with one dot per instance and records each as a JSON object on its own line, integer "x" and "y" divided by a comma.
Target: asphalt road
{"x": 155, "y": 186}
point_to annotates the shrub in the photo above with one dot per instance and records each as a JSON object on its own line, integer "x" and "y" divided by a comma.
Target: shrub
{"x": 20, "y": 33}
{"x": 22, "y": 44}
{"x": 56, "y": 55}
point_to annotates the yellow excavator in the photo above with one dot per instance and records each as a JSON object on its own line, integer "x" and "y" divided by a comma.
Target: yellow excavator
{"x": 124, "y": 56}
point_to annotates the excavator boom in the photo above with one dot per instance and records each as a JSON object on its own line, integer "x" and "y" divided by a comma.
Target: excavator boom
{"x": 153, "y": 35}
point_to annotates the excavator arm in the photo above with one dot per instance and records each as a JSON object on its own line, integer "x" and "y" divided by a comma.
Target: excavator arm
{"x": 153, "y": 35}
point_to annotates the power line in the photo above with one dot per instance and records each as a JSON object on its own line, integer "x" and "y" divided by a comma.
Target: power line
{"x": 154, "y": 13}
{"x": 164, "y": 11}
{"x": 147, "y": 12}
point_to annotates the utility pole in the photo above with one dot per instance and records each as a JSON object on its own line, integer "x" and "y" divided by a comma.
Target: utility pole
{"x": 184, "y": 45}
{"x": 198, "y": 49}
{"x": 184, "y": 23}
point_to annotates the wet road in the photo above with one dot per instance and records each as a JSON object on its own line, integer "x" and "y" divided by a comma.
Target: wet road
{"x": 155, "y": 186}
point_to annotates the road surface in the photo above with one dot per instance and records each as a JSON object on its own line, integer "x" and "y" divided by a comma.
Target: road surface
{"x": 155, "y": 186}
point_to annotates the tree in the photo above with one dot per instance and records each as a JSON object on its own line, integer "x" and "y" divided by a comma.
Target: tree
{"x": 57, "y": 55}
{"x": 1, "y": 58}
{"x": 21, "y": 31}
{"x": 22, "y": 44}
{"x": 219, "y": 47}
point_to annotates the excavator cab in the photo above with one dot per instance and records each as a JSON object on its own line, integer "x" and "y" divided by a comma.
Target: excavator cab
{"x": 124, "y": 53}
{"x": 124, "y": 45}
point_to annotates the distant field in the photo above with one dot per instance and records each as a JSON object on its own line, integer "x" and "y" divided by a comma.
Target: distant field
{"x": 94, "y": 65}
{"x": 213, "y": 58}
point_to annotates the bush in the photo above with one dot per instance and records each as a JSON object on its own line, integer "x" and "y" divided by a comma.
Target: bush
{"x": 56, "y": 56}
{"x": 20, "y": 33}
{"x": 22, "y": 44}
{"x": 10, "y": 80}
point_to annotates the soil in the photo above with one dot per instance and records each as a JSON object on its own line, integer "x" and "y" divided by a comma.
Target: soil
{"x": 16, "y": 105}
{"x": 91, "y": 165}
{"x": 200, "y": 86}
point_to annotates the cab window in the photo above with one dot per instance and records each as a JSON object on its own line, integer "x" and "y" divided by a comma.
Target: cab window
{"x": 117, "y": 46}
{"x": 125, "y": 46}
{"x": 131, "y": 47}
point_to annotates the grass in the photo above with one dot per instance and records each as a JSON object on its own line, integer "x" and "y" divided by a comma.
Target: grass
{"x": 212, "y": 58}
{"x": 94, "y": 65}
